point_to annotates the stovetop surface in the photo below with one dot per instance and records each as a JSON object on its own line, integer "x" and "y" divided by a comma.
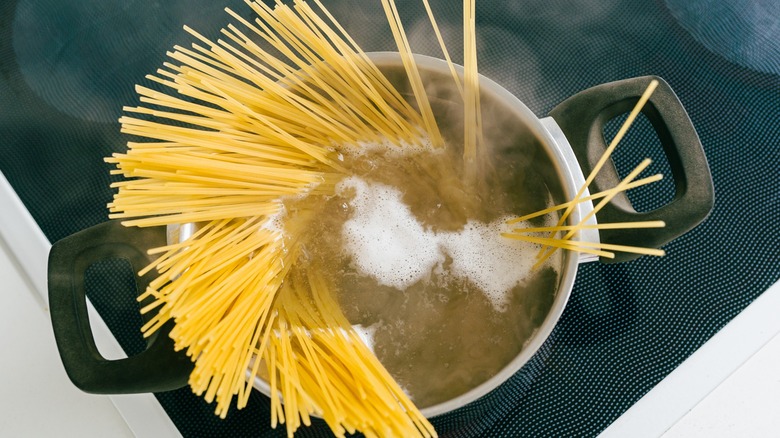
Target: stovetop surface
{"x": 67, "y": 68}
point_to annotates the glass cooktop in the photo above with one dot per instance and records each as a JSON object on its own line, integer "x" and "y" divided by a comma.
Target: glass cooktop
{"x": 68, "y": 67}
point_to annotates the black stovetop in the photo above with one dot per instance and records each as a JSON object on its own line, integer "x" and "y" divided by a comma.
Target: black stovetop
{"x": 67, "y": 68}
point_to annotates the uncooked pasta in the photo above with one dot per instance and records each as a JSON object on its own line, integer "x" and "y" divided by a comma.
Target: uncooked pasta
{"x": 229, "y": 131}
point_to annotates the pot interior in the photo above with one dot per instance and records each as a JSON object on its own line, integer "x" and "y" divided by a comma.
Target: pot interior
{"x": 443, "y": 337}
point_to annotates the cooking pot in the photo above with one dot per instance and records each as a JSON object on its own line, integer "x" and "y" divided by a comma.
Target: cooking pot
{"x": 570, "y": 140}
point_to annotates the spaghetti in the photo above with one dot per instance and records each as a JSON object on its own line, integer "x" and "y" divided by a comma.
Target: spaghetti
{"x": 472, "y": 118}
{"x": 391, "y": 11}
{"x": 550, "y": 244}
{"x": 232, "y": 129}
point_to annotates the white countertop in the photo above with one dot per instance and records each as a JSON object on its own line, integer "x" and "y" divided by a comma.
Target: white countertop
{"x": 38, "y": 399}
{"x": 746, "y": 404}
{"x": 729, "y": 387}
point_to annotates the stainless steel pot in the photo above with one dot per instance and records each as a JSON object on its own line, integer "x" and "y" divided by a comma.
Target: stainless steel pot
{"x": 572, "y": 140}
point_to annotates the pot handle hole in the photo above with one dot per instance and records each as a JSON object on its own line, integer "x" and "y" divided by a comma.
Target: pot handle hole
{"x": 158, "y": 368}
{"x": 582, "y": 118}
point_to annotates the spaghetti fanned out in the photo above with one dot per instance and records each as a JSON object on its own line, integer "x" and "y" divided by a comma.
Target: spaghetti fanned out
{"x": 232, "y": 129}
{"x": 243, "y": 123}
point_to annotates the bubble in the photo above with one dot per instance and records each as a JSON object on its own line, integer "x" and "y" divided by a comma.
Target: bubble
{"x": 383, "y": 237}
{"x": 366, "y": 334}
{"x": 387, "y": 148}
{"x": 490, "y": 261}
{"x": 387, "y": 242}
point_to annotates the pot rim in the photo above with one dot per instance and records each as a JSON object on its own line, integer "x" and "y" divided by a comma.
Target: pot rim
{"x": 561, "y": 156}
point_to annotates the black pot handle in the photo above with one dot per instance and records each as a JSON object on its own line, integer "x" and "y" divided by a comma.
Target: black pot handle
{"x": 158, "y": 368}
{"x": 582, "y": 118}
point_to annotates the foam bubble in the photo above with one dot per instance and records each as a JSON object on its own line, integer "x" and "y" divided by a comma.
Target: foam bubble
{"x": 387, "y": 148}
{"x": 384, "y": 238}
{"x": 275, "y": 222}
{"x": 366, "y": 334}
{"x": 386, "y": 242}
{"x": 490, "y": 261}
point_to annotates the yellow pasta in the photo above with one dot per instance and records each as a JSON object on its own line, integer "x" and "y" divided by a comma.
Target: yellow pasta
{"x": 231, "y": 131}
{"x": 319, "y": 349}
{"x": 471, "y": 106}
{"x": 545, "y": 253}
{"x": 445, "y": 52}
{"x": 550, "y": 244}
{"x": 607, "y": 226}
{"x": 633, "y": 184}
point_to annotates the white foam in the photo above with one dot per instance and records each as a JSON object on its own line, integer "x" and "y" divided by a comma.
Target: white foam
{"x": 386, "y": 242}
{"x": 384, "y": 238}
{"x": 492, "y": 262}
{"x": 387, "y": 148}
{"x": 275, "y": 222}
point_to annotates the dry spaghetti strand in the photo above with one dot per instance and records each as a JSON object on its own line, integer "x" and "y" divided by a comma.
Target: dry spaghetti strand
{"x": 391, "y": 11}
{"x": 234, "y": 127}
{"x": 544, "y": 253}
{"x": 472, "y": 114}
{"x": 599, "y": 195}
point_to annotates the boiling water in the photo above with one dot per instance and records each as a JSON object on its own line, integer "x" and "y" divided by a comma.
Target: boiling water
{"x": 417, "y": 261}
{"x": 415, "y": 255}
{"x": 384, "y": 241}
